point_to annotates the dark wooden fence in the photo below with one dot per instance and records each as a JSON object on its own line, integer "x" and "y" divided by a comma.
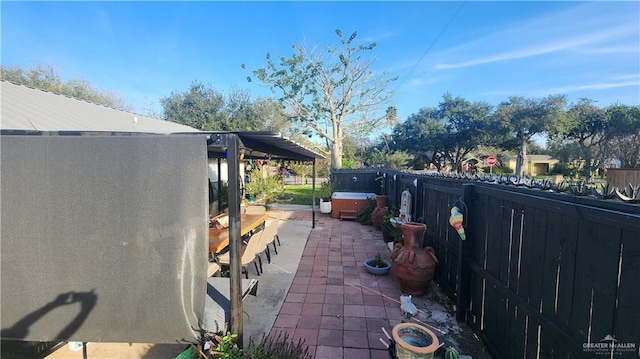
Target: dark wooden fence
{"x": 541, "y": 275}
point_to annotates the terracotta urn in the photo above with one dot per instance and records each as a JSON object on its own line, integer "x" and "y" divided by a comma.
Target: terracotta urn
{"x": 413, "y": 265}
{"x": 380, "y": 211}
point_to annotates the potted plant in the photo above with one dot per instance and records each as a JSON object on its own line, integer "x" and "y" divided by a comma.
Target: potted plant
{"x": 389, "y": 231}
{"x": 263, "y": 188}
{"x": 253, "y": 188}
{"x": 325, "y": 197}
{"x": 377, "y": 265}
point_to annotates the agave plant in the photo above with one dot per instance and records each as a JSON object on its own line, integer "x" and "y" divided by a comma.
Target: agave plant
{"x": 523, "y": 181}
{"x": 531, "y": 183}
{"x": 580, "y": 188}
{"x": 544, "y": 184}
{"x": 560, "y": 187}
{"x": 605, "y": 191}
{"x": 630, "y": 196}
{"x": 504, "y": 180}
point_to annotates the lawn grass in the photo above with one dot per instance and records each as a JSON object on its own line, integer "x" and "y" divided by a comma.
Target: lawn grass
{"x": 301, "y": 193}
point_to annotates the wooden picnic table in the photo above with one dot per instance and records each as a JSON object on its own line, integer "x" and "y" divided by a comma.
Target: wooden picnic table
{"x": 219, "y": 238}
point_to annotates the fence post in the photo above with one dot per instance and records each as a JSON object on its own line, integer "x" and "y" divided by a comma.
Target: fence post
{"x": 463, "y": 284}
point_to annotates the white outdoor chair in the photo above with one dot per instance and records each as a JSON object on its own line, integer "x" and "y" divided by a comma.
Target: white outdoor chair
{"x": 270, "y": 235}
{"x": 263, "y": 246}
{"x": 248, "y": 256}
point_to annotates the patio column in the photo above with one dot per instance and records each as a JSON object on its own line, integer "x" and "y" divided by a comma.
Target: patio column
{"x": 235, "y": 241}
{"x": 313, "y": 197}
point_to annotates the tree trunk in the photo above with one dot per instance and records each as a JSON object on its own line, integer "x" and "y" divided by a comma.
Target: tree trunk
{"x": 336, "y": 154}
{"x": 588, "y": 168}
{"x": 522, "y": 158}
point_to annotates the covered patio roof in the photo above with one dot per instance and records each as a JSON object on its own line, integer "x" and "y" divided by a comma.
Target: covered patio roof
{"x": 259, "y": 144}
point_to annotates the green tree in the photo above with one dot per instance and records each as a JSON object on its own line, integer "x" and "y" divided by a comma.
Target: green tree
{"x": 386, "y": 158}
{"x": 301, "y": 169}
{"x": 201, "y": 107}
{"x": 567, "y": 152}
{"x": 623, "y": 134}
{"x": 586, "y": 125}
{"x": 207, "y": 109}
{"x": 446, "y": 134}
{"x": 421, "y": 134}
{"x": 333, "y": 93}
{"x": 467, "y": 125}
{"x": 526, "y": 117}
{"x": 46, "y": 77}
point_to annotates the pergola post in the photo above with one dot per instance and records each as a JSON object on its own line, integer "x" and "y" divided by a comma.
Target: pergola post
{"x": 235, "y": 241}
{"x": 313, "y": 197}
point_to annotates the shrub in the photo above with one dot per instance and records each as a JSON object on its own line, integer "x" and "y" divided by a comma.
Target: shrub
{"x": 497, "y": 170}
{"x": 419, "y": 163}
{"x": 561, "y": 169}
{"x": 274, "y": 188}
{"x": 278, "y": 347}
{"x": 266, "y": 189}
{"x": 364, "y": 216}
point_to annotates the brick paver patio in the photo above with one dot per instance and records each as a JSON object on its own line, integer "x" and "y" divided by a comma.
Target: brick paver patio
{"x": 333, "y": 303}
{"x": 336, "y": 306}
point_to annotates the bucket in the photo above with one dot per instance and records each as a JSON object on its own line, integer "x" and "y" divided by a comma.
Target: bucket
{"x": 414, "y": 341}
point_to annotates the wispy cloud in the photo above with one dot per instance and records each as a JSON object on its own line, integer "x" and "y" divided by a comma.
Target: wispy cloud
{"x": 624, "y": 81}
{"x": 580, "y": 29}
{"x": 609, "y": 50}
{"x": 540, "y": 49}
{"x": 593, "y": 86}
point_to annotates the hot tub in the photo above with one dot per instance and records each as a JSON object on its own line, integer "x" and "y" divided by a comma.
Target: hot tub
{"x": 348, "y": 204}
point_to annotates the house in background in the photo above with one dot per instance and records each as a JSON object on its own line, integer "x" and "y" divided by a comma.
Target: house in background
{"x": 536, "y": 164}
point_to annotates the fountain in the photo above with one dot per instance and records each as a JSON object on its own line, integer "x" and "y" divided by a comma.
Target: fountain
{"x": 405, "y": 209}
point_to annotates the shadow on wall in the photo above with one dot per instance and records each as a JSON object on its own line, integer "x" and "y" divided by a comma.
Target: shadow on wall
{"x": 87, "y": 300}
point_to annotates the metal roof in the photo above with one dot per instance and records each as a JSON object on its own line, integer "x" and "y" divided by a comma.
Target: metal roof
{"x": 275, "y": 145}
{"x": 258, "y": 144}
{"x": 29, "y": 109}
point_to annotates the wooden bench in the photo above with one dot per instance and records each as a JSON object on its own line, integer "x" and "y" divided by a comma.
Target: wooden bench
{"x": 348, "y": 214}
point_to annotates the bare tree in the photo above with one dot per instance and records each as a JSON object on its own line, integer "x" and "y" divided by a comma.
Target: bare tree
{"x": 334, "y": 92}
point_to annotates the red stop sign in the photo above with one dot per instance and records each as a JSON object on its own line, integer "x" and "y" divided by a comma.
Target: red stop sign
{"x": 491, "y": 160}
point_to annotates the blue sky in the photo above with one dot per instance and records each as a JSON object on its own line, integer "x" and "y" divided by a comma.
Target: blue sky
{"x": 482, "y": 51}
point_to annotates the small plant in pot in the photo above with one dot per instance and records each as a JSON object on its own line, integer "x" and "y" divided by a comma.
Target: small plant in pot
{"x": 377, "y": 265}
{"x": 325, "y": 197}
{"x": 387, "y": 227}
